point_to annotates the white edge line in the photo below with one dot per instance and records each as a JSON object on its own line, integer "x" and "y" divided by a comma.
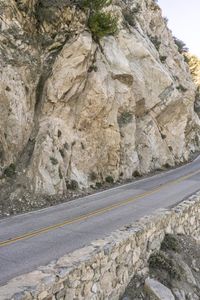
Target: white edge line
{"x": 101, "y": 192}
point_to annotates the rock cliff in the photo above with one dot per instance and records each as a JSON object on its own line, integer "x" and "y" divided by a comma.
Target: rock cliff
{"x": 77, "y": 112}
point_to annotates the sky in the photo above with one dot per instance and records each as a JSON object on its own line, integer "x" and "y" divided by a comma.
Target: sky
{"x": 184, "y": 21}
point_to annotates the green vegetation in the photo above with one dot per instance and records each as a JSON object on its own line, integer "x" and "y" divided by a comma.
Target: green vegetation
{"x": 197, "y": 94}
{"x": 125, "y": 118}
{"x": 109, "y": 179}
{"x": 96, "y": 5}
{"x": 181, "y": 88}
{"x": 10, "y": 171}
{"x": 136, "y": 173}
{"x": 182, "y": 48}
{"x": 163, "y": 136}
{"x": 101, "y": 23}
{"x": 93, "y": 68}
{"x": 130, "y": 14}
{"x": 98, "y": 185}
{"x": 59, "y": 133}
{"x": 53, "y": 160}
{"x": 62, "y": 152}
{"x": 60, "y": 174}
{"x": 163, "y": 58}
{"x": 93, "y": 176}
{"x": 161, "y": 261}
{"x": 45, "y": 10}
{"x": 72, "y": 185}
{"x": 166, "y": 20}
{"x": 170, "y": 243}
{"x": 155, "y": 40}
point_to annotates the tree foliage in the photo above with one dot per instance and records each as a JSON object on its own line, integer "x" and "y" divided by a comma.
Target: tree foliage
{"x": 194, "y": 65}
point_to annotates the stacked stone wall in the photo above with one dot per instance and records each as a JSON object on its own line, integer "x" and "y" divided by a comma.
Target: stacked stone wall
{"x": 103, "y": 269}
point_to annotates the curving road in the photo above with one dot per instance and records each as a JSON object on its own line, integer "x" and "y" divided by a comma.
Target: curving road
{"x": 33, "y": 239}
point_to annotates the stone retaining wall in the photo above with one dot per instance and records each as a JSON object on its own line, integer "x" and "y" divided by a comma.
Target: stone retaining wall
{"x": 104, "y": 269}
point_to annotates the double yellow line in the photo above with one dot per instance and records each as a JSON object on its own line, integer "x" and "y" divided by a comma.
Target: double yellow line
{"x": 94, "y": 213}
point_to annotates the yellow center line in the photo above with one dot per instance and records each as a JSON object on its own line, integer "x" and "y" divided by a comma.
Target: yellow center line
{"x": 94, "y": 213}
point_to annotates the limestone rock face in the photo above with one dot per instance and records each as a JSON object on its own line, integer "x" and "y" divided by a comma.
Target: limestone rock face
{"x": 76, "y": 110}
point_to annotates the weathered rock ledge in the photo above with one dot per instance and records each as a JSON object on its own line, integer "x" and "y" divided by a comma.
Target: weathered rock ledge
{"x": 104, "y": 268}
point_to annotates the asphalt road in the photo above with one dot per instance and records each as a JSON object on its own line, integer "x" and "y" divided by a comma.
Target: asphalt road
{"x": 33, "y": 239}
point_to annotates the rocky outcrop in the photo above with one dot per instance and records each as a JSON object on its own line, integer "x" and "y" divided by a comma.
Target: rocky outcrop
{"x": 76, "y": 112}
{"x": 157, "y": 291}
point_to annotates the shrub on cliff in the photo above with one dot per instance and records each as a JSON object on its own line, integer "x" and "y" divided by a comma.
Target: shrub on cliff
{"x": 101, "y": 23}
{"x": 156, "y": 41}
{"x": 182, "y": 48}
{"x": 130, "y": 14}
{"x": 96, "y": 5}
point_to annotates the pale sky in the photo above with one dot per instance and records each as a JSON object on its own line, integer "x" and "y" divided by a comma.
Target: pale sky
{"x": 184, "y": 21}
